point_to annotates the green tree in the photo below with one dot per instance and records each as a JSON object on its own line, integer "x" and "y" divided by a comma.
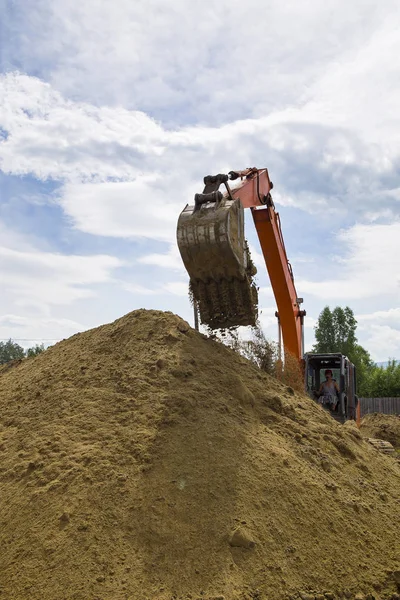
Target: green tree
{"x": 325, "y": 332}
{"x": 10, "y": 351}
{"x": 35, "y": 350}
{"x": 361, "y": 358}
{"x": 335, "y": 331}
{"x": 383, "y": 382}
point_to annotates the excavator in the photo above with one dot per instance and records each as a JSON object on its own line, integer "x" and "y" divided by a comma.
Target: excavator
{"x": 212, "y": 244}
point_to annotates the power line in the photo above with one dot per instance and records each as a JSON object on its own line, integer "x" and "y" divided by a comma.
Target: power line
{"x": 30, "y": 339}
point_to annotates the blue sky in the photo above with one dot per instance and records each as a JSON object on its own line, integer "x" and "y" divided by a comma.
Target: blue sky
{"x": 110, "y": 116}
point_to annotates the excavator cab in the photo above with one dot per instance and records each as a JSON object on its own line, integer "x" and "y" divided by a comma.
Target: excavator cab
{"x": 211, "y": 240}
{"x": 344, "y": 372}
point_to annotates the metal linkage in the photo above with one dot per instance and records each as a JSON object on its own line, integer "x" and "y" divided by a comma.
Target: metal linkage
{"x": 210, "y": 192}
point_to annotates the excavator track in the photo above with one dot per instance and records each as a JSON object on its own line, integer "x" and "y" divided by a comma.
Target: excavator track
{"x": 212, "y": 244}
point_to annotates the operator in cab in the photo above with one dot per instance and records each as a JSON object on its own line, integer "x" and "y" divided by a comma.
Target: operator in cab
{"x": 328, "y": 390}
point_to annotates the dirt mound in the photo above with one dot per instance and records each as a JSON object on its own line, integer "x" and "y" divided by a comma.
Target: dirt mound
{"x": 384, "y": 427}
{"x": 141, "y": 460}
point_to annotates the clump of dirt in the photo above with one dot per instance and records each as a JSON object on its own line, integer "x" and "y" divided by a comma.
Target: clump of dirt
{"x": 384, "y": 427}
{"x": 227, "y": 303}
{"x": 142, "y": 460}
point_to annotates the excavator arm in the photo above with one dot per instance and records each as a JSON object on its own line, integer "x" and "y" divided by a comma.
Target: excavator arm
{"x": 213, "y": 248}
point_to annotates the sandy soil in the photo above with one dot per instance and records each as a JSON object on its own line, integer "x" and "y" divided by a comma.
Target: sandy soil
{"x": 141, "y": 460}
{"x": 384, "y": 427}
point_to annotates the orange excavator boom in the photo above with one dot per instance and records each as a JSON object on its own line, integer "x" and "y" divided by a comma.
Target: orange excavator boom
{"x": 211, "y": 241}
{"x": 255, "y": 193}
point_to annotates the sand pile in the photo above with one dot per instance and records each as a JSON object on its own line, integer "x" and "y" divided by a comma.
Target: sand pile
{"x": 384, "y": 427}
{"x": 141, "y": 460}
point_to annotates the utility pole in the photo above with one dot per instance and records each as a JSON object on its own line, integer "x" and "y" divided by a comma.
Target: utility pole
{"x": 196, "y": 315}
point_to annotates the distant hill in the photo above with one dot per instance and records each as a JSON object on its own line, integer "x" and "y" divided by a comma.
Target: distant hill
{"x": 385, "y": 363}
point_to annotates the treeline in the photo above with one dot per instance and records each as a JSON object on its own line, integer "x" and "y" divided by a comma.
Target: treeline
{"x": 335, "y": 331}
{"x": 12, "y": 351}
{"x": 382, "y": 382}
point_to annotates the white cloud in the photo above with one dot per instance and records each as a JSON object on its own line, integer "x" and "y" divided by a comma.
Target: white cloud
{"x": 353, "y": 88}
{"x": 125, "y": 209}
{"x": 44, "y": 331}
{"x": 367, "y": 263}
{"x": 14, "y": 240}
{"x": 50, "y": 136}
{"x": 52, "y": 279}
{"x": 156, "y": 171}
{"x": 384, "y": 342}
{"x": 309, "y": 322}
{"x": 220, "y": 56}
{"x": 390, "y": 317}
{"x": 40, "y": 289}
{"x": 257, "y": 257}
{"x": 379, "y": 332}
{"x": 176, "y": 288}
{"x": 169, "y": 260}
{"x": 137, "y": 289}
{"x": 268, "y": 320}
{"x": 265, "y": 292}
{"x": 302, "y": 258}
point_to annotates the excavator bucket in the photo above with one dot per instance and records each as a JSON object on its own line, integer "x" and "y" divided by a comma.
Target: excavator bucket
{"x": 214, "y": 251}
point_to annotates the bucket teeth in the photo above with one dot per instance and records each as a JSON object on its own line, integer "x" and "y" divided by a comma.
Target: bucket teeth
{"x": 215, "y": 253}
